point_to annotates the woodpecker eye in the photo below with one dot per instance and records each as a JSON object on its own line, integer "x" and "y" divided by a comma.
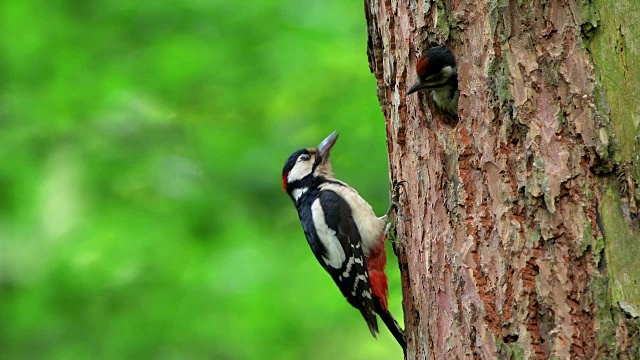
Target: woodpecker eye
{"x": 304, "y": 157}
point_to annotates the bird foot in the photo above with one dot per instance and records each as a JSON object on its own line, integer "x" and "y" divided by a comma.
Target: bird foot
{"x": 390, "y": 230}
{"x": 395, "y": 201}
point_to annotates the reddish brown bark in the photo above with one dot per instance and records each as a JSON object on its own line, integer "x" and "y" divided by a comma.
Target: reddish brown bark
{"x": 500, "y": 252}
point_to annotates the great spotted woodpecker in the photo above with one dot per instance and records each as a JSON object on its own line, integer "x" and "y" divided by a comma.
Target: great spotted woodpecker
{"x": 437, "y": 72}
{"x": 345, "y": 235}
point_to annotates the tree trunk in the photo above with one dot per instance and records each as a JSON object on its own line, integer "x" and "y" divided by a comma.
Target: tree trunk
{"x": 521, "y": 238}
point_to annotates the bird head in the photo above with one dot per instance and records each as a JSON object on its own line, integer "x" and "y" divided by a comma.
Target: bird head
{"x": 434, "y": 69}
{"x": 305, "y": 166}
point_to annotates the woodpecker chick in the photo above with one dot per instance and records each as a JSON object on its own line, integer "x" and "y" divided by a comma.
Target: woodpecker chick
{"x": 345, "y": 235}
{"x": 437, "y": 71}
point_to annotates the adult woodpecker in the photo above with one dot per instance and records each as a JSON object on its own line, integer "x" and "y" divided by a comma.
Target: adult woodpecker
{"x": 345, "y": 235}
{"x": 437, "y": 71}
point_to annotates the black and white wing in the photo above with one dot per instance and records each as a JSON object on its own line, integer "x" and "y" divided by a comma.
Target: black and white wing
{"x": 340, "y": 251}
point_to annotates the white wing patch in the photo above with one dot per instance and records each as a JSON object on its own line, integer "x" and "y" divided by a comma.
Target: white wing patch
{"x": 348, "y": 269}
{"x": 335, "y": 252}
{"x": 366, "y": 294}
{"x": 362, "y": 278}
{"x": 352, "y": 260}
{"x": 369, "y": 225}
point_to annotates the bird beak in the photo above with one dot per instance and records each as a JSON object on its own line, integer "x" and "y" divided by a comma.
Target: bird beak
{"x": 415, "y": 87}
{"x": 326, "y": 144}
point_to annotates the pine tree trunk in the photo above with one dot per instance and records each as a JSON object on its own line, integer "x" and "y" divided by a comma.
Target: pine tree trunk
{"x": 521, "y": 238}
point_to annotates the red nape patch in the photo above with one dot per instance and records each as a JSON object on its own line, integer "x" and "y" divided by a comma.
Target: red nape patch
{"x": 379, "y": 287}
{"x": 422, "y": 65}
{"x": 284, "y": 181}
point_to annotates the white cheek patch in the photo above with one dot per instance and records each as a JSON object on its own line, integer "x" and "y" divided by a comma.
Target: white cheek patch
{"x": 437, "y": 79}
{"x": 334, "y": 252}
{"x": 446, "y": 71}
{"x": 300, "y": 170}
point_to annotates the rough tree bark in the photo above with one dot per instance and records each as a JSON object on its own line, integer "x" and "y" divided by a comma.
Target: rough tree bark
{"x": 522, "y": 238}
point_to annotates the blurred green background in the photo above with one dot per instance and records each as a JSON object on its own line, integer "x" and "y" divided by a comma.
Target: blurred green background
{"x": 141, "y": 150}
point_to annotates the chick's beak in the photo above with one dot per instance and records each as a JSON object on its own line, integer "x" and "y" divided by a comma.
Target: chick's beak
{"x": 326, "y": 144}
{"x": 415, "y": 87}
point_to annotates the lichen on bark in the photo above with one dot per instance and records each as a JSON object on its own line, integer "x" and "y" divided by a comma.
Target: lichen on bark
{"x": 622, "y": 250}
{"x": 614, "y": 44}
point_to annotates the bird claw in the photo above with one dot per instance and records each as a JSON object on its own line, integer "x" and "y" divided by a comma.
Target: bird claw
{"x": 389, "y": 230}
{"x": 395, "y": 201}
{"x": 396, "y": 190}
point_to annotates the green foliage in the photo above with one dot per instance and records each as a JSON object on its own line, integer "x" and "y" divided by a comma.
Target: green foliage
{"x": 141, "y": 214}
